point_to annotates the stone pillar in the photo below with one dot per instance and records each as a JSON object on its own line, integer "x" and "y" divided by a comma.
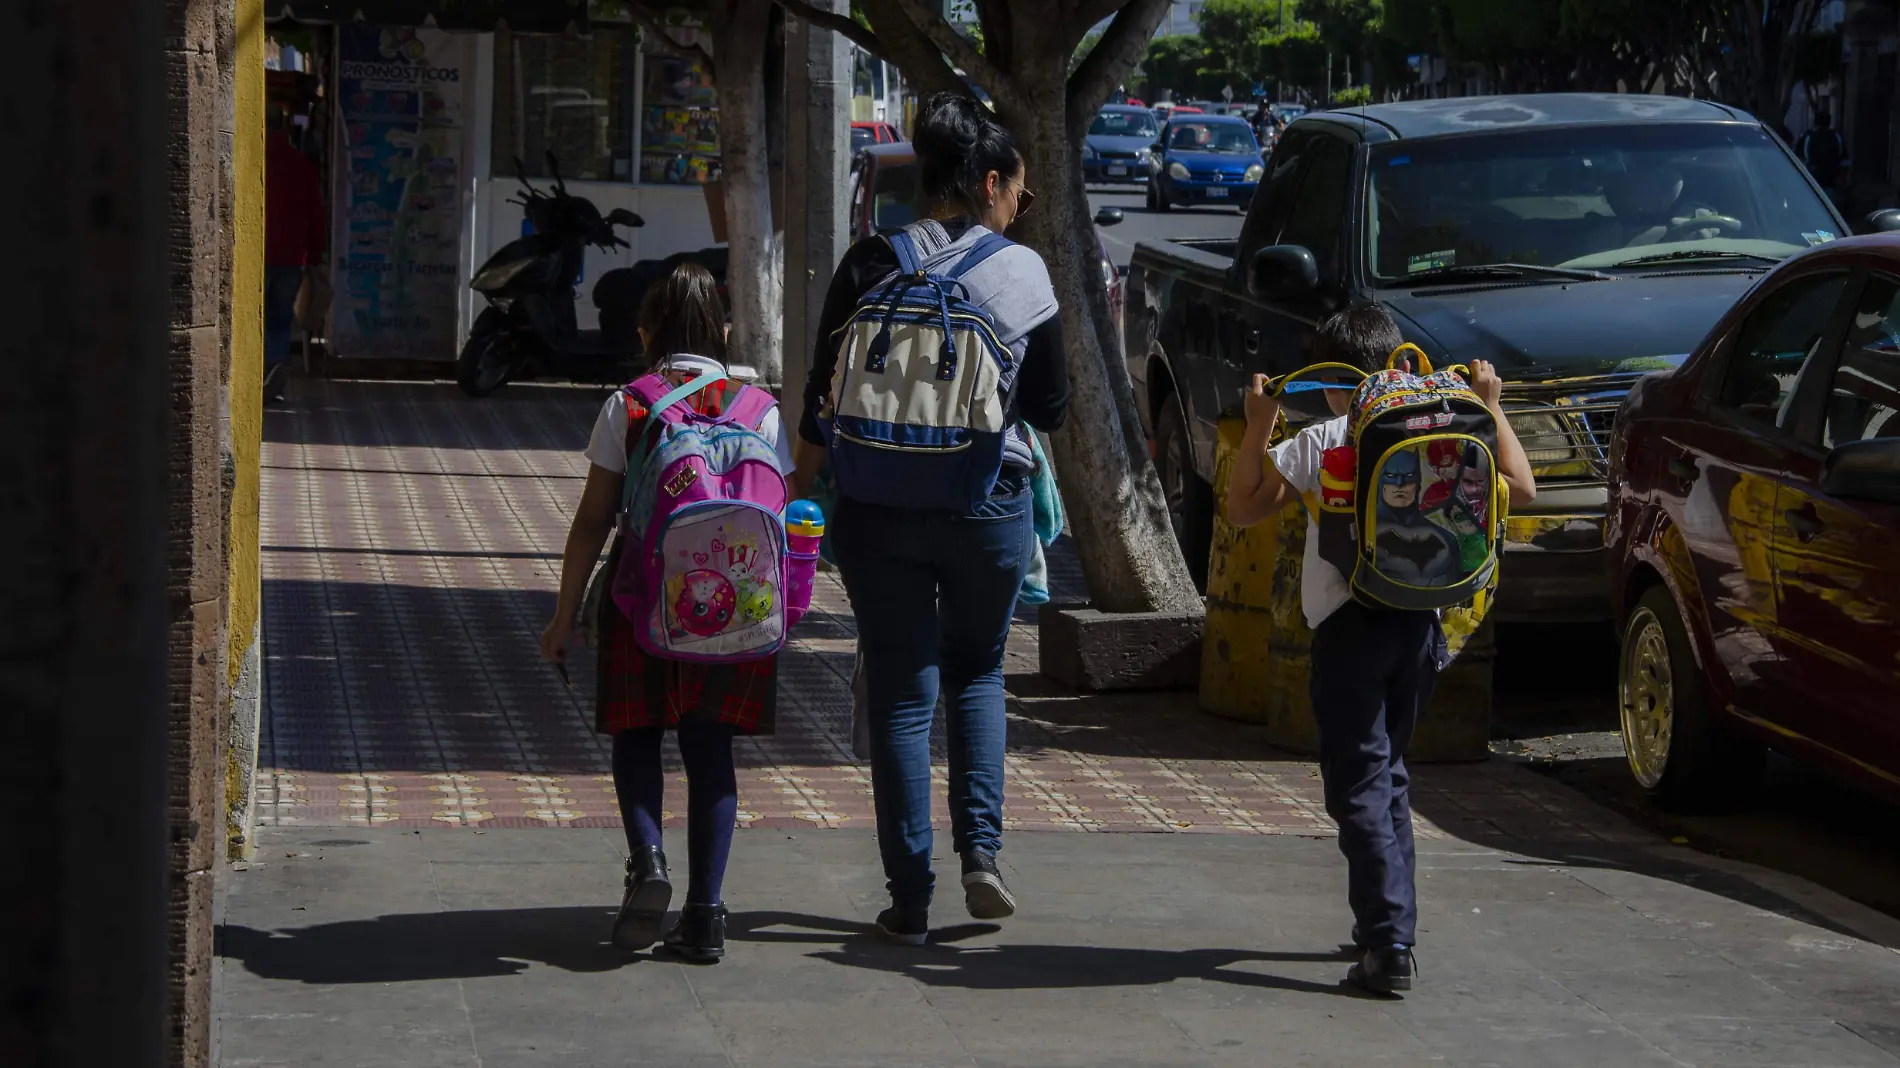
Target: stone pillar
{"x": 244, "y": 413}
{"x": 195, "y": 521}
{"x": 817, "y": 110}
{"x": 82, "y": 485}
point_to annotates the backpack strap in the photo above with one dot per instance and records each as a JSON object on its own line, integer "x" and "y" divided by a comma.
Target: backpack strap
{"x": 749, "y": 406}
{"x": 986, "y": 246}
{"x": 908, "y": 262}
{"x": 636, "y": 457}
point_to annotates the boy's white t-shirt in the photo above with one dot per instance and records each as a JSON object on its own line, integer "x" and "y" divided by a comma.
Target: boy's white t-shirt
{"x": 1322, "y": 588}
{"x": 607, "y": 446}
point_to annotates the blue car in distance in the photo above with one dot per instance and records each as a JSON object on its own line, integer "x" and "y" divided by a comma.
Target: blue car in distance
{"x": 1117, "y": 146}
{"x": 1204, "y": 159}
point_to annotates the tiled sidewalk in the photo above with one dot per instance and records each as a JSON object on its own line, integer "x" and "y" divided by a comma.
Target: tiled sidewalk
{"x": 412, "y": 546}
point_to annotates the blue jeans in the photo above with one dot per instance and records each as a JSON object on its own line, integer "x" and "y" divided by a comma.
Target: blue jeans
{"x": 280, "y": 312}
{"x": 1372, "y": 676}
{"x": 933, "y": 593}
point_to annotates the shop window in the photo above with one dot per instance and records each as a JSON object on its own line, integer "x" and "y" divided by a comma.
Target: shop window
{"x": 679, "y": 121}
{"x": 567, "y": 94}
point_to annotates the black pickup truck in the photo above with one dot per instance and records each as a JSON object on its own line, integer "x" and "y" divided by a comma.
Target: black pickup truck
{"x": 1576, "y": 241}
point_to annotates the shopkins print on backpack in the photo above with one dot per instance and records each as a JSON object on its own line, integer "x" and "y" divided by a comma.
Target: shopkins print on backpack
{"x": 705, "y": 573}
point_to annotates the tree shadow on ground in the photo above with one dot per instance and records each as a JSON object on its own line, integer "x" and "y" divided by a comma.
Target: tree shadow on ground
{"x": 434, "y": 415}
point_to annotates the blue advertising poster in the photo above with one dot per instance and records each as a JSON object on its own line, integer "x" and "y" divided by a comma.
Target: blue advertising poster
{"x": 400, "y": 95}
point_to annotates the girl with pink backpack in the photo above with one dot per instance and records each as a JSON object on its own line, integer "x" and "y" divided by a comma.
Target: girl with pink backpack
{"x": 700, "y": 588}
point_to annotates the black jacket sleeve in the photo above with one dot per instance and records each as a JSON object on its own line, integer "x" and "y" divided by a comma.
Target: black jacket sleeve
{"x": 865, "y": 263}
{"x": 1042, "y": 390}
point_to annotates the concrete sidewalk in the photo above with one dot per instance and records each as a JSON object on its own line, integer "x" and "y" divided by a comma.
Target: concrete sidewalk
{"x": 452, "y": 947}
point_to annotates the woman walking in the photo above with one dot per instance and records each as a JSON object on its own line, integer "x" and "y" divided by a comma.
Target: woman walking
{"x": 639, "y": 696}
{"x": 933, "y": 591}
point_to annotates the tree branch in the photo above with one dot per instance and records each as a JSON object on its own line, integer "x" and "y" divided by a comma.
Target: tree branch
{"x": 1090, "y": 12}
{"x": 922, "y": 63}
{"x": 952, "y": 44}
{"x": 843, "y": 25}
{"x": 1121, "y": 47}
{"x": 655, "y": 27}
{"x": 999, "y": 31}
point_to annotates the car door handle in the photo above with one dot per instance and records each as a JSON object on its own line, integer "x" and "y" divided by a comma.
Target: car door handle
{"x": 1685, "y": 470}
{"x": 1251, "y": 342}
{"x": 1806, "y": 523}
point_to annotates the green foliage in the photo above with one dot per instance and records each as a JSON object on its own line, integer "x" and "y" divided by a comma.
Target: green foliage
{"x": 1353, "y": 97}
{"x": 1172, "y": 63}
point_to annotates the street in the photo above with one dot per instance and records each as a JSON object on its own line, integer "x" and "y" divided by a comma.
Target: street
{"x": 440, "y": 851}
{"x": 1139, "y": 224}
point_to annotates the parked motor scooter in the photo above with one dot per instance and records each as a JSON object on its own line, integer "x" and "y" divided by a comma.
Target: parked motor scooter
{"x": 529, "y": 326}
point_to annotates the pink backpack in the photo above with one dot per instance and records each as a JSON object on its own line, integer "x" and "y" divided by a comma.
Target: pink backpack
{"x": 703, "y": 556}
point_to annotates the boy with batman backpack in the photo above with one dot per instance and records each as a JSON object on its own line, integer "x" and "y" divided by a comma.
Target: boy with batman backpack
{"x": 1374, "y": 661}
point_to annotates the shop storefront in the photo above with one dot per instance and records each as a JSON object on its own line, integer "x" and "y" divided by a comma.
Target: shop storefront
{"x": 427, "y": 130}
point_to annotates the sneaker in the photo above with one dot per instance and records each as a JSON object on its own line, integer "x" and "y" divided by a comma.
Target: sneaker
{"x": 643, "y": 909}
{"x": 905, "y": 926}
{"x": 1385, "y": 971}
{"x": 699, "y": 936}
{"x": 983, "y": 891}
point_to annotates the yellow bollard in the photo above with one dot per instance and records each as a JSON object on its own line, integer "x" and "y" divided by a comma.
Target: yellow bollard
{"x": 1256, "y": 647}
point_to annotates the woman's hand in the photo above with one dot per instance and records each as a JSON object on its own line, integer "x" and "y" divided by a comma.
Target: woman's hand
{"x": 554, "y": 639}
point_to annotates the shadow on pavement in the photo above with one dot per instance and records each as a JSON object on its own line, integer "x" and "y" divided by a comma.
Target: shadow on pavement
{"x": 409, "y": 947}
{"x": 414, "y": 947}
{"x": 1011, "y": 966}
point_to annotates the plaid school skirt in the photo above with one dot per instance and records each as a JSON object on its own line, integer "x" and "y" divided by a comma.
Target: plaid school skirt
{"x": 637, "y": 689}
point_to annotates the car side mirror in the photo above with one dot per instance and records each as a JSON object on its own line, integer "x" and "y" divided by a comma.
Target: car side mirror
{"x": 1283, "y": 273}
{"x": 623, "y": 217}
{"x": 1157, "y": 147}
{"x": 1867, "y": 470}
{"x": 1108, "y": 217}
{"x": 1884, "y": 221}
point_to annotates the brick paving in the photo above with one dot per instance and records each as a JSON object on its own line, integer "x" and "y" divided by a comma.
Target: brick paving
{"x": 412, "y": 547}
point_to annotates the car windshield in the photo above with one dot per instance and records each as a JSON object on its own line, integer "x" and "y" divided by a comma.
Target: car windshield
{"x": 1212, "y": 137}
{"x": 1123, "y": 124}
{"x": 1649, "y": 197}
{"x": 894, "y": 198}
{"x": 861, "y": 138}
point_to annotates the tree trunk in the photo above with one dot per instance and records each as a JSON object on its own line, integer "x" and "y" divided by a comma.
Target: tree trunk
{"x": 1109, "y": 486}
{"x": 1116, "y": 509}
{"x": 756, "y": 261}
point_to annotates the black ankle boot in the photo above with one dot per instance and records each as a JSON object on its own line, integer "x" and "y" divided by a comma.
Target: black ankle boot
{"x": 700, "y": 934}
{"x": 643, "y": 909}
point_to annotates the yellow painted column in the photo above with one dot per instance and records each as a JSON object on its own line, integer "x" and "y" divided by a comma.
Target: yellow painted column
{"x": 1256, "y": 650}
{"x": 246, "y": 414}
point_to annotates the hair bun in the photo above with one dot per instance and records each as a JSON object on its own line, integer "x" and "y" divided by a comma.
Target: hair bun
{"x": 958, "y": 141}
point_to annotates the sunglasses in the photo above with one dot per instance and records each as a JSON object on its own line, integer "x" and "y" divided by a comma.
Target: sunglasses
{"x": 1025, "y": 198}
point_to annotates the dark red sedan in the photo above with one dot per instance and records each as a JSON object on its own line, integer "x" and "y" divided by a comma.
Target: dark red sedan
{"x": 1754, "y": 534}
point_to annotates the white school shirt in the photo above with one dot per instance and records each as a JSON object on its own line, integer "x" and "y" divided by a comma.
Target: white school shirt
{"x": 607, "y": 446}
{"x": 1322, "y": 588}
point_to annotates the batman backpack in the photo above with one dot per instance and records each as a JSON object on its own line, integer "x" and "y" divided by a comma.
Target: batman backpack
{"x": 1411, "y": 508}
{"x": 920, "y": 398}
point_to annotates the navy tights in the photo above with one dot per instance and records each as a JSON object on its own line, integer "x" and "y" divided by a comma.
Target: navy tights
{"x": 712, "y": 797}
